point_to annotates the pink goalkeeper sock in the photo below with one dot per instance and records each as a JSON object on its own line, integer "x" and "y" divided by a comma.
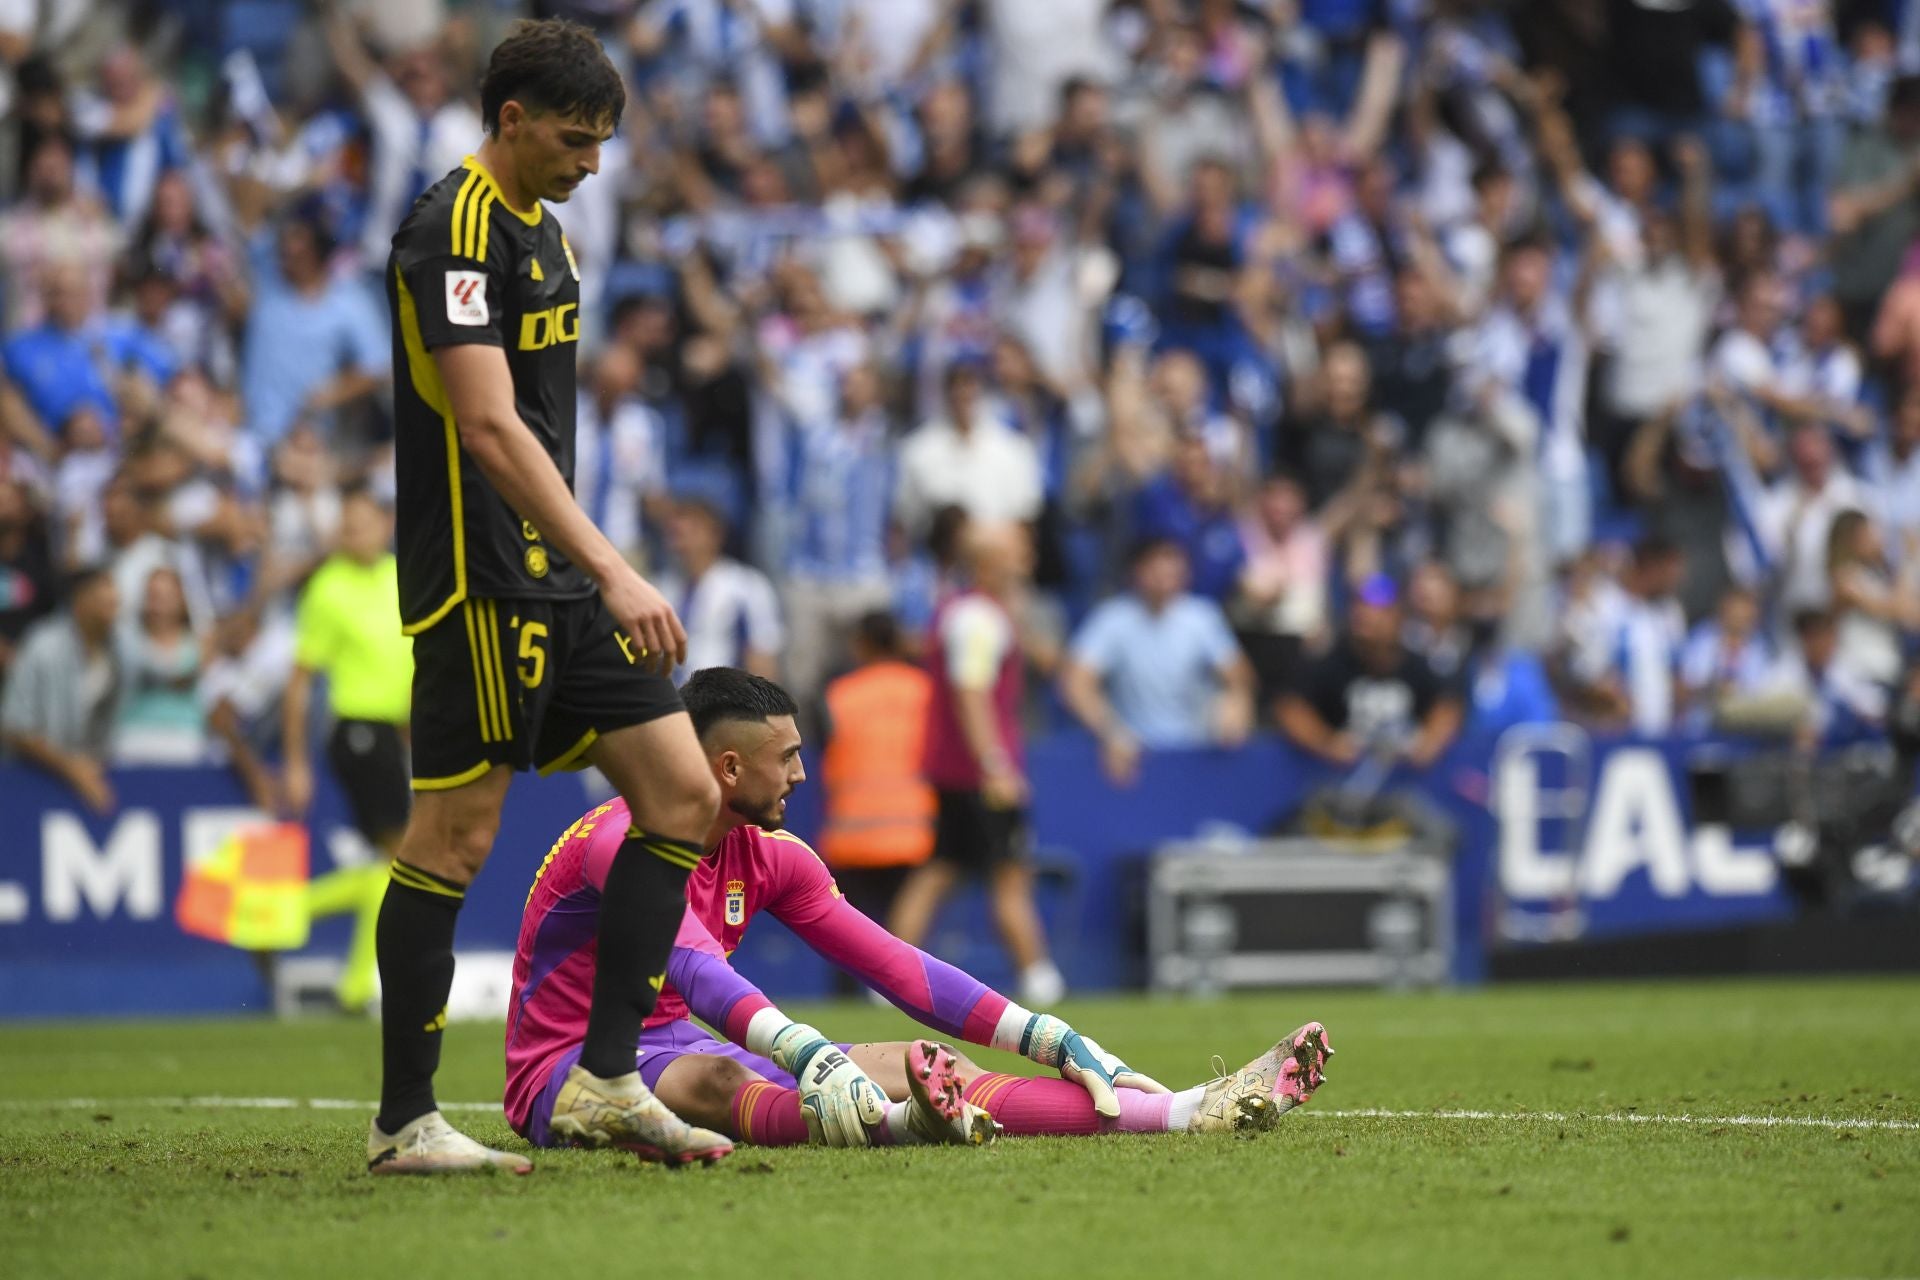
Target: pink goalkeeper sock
{"x": 1034, "y": 1105}
{"x": 768, "y": 1116}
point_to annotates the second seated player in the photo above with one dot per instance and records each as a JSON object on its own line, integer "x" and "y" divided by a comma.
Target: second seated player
{"x": 773, "y": 1081}
{"x": 535, "y": 644}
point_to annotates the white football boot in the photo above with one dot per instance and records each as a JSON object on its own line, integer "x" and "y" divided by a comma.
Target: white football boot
{"x": 431, "y": 1145}
{"x": 623, "y": 1113}
{"x": 1253, "y": 1099}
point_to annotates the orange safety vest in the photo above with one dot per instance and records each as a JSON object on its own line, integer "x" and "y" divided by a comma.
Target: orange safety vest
{"x": 879, "y": 809}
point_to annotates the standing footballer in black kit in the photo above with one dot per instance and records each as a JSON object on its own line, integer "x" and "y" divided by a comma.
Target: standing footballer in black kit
{"x": 535, "y": 644}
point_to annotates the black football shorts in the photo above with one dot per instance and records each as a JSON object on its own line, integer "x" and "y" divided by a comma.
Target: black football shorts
{"x": 529, "y": 684}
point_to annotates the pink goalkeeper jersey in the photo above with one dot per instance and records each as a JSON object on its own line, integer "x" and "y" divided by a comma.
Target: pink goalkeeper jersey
{"x": 750, "y": 871}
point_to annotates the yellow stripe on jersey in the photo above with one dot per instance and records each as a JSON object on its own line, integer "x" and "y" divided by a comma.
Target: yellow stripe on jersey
{"x": 425, "y": 376}
{"x": 486, "y": 217}
{"x": 538, "y": 273}
{"x": 458, "y": 235}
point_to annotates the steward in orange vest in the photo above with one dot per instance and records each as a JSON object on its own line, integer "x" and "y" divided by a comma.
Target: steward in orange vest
{"x": 879, "y": 811}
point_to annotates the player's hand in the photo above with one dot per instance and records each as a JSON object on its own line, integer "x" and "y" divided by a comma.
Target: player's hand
{"x": 837, "y": 1100}
{"x": 659, "y": 641}
{"x": 1052, "y": 1043}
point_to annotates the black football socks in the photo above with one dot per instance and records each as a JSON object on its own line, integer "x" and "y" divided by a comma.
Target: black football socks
{"x": 414, "y": 940}
{"x": 641, "y": 905}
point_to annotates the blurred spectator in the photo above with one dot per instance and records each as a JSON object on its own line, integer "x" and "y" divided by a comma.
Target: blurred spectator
{"x": 1191, "y": 506}
{"x": 1372, "y": 696}
{"x": 247, "y": 671}
{"x": 65, "y": 690}
{"x": 131, "y": 132}
{"x": 1840, "y": 702}
{"x": 729, "y": 609}
{"x": 1037, "y": 51}
{"x": 619, "y": 452}
{"x": 1891, "y": 478}
{"x": 315, "y": 344}
{"x": 1664, "y": 296}
{"x": 975, "y": 758}
{"x": 837, "y": 565}
{"x": 419, "y": 129}
{"x": 54, "y": 227}
{"x": 967, "y": 458}
{"x": 880, "y": 812}
{"x": 26, "y": 569}
{"x": 1157, "y": 668}
{"x": 348, "y": 630}
{"x": 1283, "y": 593}
{"x": 1876, "y": 613}
{"x": 1726, "y": 657}
{"x": 1798, "y": 510}
{"x": 303, "y": 514}
{"x": 1871, "y": 207}
{"x": 1637, "y": 675}
{"x": 160, "y": 720}
{"x": 1531, "y": 356}
{"x": 136, "y": 547}
{"x": 62, "y": 365}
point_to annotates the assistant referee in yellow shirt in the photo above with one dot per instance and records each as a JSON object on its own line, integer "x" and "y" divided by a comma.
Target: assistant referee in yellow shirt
{"x": 348, "y": 629}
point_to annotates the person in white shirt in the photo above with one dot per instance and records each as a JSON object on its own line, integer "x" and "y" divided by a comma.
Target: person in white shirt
{"x": 420, "y": 129}
{"x": 1663, "y": 299}
{"x": 1796, "y": 513}
{"x": 730, "y": 609}
{"x": 967, "y": 459}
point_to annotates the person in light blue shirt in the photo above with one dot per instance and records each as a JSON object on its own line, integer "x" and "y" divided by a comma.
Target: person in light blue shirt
{"x": 315, "y": 342}
{"x": 1158, "y": 667}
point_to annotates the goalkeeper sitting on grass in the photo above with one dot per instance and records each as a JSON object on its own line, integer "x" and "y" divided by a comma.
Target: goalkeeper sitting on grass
{"x": 774, "y": 1081}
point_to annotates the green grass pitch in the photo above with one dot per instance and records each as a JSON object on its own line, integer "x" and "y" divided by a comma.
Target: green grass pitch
{"x": 1555, "y": 1176}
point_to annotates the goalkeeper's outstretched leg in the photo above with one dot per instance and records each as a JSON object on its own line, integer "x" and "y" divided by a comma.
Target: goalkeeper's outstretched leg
{"x": 1246, "y": 1101}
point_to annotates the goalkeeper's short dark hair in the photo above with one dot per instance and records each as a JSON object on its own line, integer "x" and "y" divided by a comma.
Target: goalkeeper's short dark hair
{"x": 552, "y": 65}
{"x": 719, "y": 695}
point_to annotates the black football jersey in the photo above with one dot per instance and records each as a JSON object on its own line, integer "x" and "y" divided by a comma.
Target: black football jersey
{"x": 468, "y": 268}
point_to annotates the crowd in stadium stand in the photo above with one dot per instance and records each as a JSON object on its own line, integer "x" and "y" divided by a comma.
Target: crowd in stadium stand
{"x": 1359, "y": 366}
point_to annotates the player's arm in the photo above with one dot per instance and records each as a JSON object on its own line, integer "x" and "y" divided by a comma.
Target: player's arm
{"x": 480, "y": 392}
{"x": 935, "y": 993}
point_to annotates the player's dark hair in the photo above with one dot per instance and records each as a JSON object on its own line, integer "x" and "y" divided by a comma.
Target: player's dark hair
{"x": 719, "y": 695}
{"x": 552, "y": 65}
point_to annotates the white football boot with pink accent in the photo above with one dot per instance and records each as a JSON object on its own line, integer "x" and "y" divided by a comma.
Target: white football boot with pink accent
{"x": 1253, "y": 1099}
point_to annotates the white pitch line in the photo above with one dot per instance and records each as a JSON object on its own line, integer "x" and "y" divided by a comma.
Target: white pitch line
{"x": 1627, "y": 1117}
{"x": 219, "y": 1103}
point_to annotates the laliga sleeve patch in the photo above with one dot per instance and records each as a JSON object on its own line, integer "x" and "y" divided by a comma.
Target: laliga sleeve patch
{"x": 467, "y": 297}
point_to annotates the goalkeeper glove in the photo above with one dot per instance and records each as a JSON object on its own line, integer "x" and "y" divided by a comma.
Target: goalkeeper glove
{"x": 1052, "y": 1043}
{"x": 837, "y": 1100}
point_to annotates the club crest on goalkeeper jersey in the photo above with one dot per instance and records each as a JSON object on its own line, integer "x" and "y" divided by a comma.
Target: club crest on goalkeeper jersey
{"x": 466, "y": 268}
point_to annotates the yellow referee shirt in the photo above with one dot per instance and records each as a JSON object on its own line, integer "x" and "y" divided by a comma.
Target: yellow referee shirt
{"x": 348, "y": 627}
